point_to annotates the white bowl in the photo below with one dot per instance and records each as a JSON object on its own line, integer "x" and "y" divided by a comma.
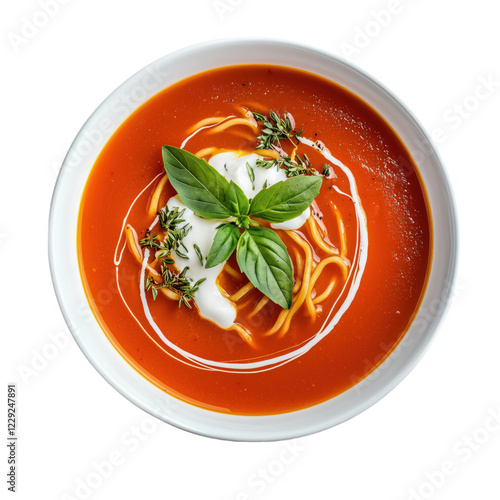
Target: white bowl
{"x": 64, "y": 261}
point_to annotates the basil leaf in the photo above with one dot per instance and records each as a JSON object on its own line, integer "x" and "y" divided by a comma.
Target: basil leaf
{"x": 286, "y": 200}
{"x": 199, "y": 186}
{"x": 263, "y": 257}
{"x": 237, "y": 202}
{"x": 223, "y": 246}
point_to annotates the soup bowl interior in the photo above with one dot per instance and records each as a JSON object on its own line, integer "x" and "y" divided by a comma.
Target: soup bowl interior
{"x": 68, "y": 283}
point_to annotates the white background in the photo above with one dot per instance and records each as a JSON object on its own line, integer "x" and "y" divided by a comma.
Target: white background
{"x": 436, "y": 56}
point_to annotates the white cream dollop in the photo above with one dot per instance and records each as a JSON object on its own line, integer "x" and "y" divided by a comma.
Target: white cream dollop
{"x": 211, "y": 304}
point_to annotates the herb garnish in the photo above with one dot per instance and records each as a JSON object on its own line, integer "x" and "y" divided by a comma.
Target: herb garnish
{"x": 275, "y": 129}
{"x": 177, "y": 282}
{"x": 297, "y": 166}
{"x": 170, "y": 221}
{"x": 260, "y": 253}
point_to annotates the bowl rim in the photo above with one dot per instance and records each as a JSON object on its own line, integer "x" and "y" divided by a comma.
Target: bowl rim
{"x": 237, "y": 427}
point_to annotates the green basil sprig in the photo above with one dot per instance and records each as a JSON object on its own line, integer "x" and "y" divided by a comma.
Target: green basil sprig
{"x": 260, "y": 253}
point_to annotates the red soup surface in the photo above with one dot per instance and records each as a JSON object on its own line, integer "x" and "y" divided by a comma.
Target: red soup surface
{"x": 373, "y": 302}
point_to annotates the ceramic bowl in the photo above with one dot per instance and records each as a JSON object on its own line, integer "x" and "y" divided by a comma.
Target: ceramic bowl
{"x": 63, "y": 237}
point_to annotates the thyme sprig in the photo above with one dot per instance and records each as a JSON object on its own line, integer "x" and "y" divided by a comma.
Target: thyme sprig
{"x": 297, "y": 166}
{"x": 170, "y": 221}
{"x": 176, "y": 281}
{"x": 275, "y": 129}
{"x": 172, "y": 242}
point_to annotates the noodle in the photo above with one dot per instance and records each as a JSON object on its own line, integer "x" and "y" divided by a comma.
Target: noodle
{"x": 206, "y": 152}
{"x": 319, "y": 269}
{"x": 268, "y": 153}
{"x": 325, "y": 294}
{"x": 133, "y": 242}
{"x": 262, "y": 302}
{"x": 231, "y": 271}
{"x": 343, "y": 246}
{"x": 311, "y": 221}
{"x": 168, "y": 293}
{"x": 207, "y": 121}
{"x": 155, "y": 198}
{"x": 242, "y": 333}
{"x": 232, "y": 122}
{"x": 241, "y": 292}
{"x": 299, "y": 262}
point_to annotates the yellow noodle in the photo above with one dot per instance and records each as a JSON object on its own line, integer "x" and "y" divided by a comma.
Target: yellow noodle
{"x": 297, "y": 285}
{"x": 324, "y": 295}
{"x": 340, "y": 223}
{"x": 212, "y": 151}
{"x": 336, "y": 259}
{"x": 262, "y": 302}
{"x": 155, "y": 262}
{"x": 242, "y": 333}
{"x": 268, "y": 153}
{"x": 317, "y": 237}
{"x": 232, "y": 272}
{"x": 153, "y": 204}
{"x": 311, "y": 309}
{"x": 205, "y": 152}
{"x": 241, "y": 292}
{"x": 232, "y": 122}
{"x": 133, "y": 242}
{"x": 168, "y": 293}
{"x": 299, "y": 263}
{"x": 279, "y": 322}
{"x": 221, "y": 290}
{"x": 206, "y": 121}
{"x": 285, "y": 316}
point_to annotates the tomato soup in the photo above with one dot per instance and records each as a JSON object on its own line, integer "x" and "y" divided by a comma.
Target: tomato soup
{"x": 359, "y": 257}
